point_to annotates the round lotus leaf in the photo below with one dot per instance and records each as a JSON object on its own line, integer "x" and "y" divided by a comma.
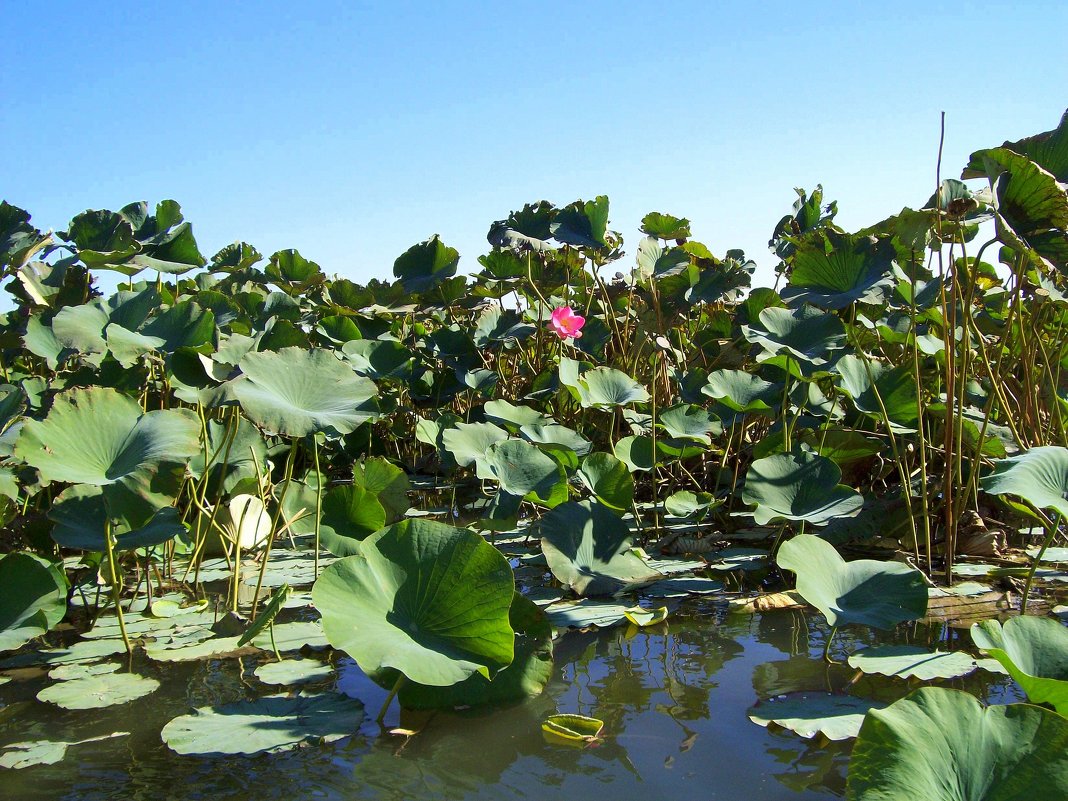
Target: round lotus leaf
{"x": 422, "y": 598}
{"x": 799, "y": 486}
{"x": 273, "y": 723}
{"x": 527, "y": 676}
{"x": 97, "y": 691}
{"x": 609, "y": 479}
{"x": 80, "y": 513}
{"x": 296, "y": 392}
{"x": 875, "y": 386}
{"x": 100, "y": 437}
{"x": 291, "y": 672}
{"x": 836, "y": 717}
{"x": 942, "y": 745}
{"x": 1034, "y": 650}
{"x": 385, "y": 481}
{"x": 606, "y": 388}
{"x": 1039, "y": 476}
{"x": 43, "y": 752}
{"x": 637, "y": 453}
{"x": 589, "y": 548}
{"x": 521, "y": 468}
{"x": 33, "y": 598}
{"x": 910, "y": 661}
{"x": 691, "y": 423}
{"x": 742, "y": 391}
{"x": 865, "y": 591}
{"x": 470, "y": 442}
{"x": 686, "y": 504}
{"x": 81, "y": 671}
{"x": 553, "y": 434}
{"x": 515, "y": 417}
{"x": 350, "y": 514}
{"x": 804, "y": 333}
{"x": 379, "y": 358}
{"x": 833, "y": 270}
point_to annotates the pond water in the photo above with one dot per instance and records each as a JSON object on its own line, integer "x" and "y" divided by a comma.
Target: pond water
{"x": 674, "y": 699}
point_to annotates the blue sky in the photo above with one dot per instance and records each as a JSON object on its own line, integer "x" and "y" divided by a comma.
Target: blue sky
{"x": 352, "y": 130}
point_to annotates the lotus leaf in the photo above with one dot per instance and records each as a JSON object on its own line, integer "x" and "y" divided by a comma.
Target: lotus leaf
{"x": 95, "y": 692}
{"x": 350, "y": 514}
{"x": 585, "y": 613}
{"x": 910, "y": 661}
{"x": 606, "y": 388}
{"x": 521, "y": 468}
{"x": 33, "y": 599}
{"x": 470, "y": 442}
{"x": 293, "y": 672}
{"x": 422, "y": 598}
{"x": 836, "y": 717}
{"x": 874, "y": 386}
{"x": 609, "y": 479}
{"x": 689, "y": 422}
{"x": 637, "y": 453}
{"x": 942, "y": 745}
{"x": 1034, "y": 651}
{"x": 273, "y": 723}
{"x": 804, "y": 333}
{"x": 1039, "y": 476}
{"x": 385, "y": 481}
{"x": 865, "y": 591}
{"x": 743, "y": 392}
{"x": 426, "y": 265}
{"x": 799, "y": 486}
{"x": 80, "y": 514}
{"x": 833, "y": 271}
{"x": 297, "y": 392}
{"x": 43, "y": 752}
{"x": 589, "y": 548}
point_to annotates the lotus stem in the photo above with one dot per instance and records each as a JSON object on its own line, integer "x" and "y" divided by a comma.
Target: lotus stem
{"x": 827, "y": 648}
{"x": 115, "y": 593}
{"x": 401, "y": 678}
{"x": 1051, "y": 532}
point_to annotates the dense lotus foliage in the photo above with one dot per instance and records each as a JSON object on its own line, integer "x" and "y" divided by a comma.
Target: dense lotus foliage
{"x": 567, "y": 388}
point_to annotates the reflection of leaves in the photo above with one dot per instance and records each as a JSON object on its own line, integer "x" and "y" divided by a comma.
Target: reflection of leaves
{"x": 813, "y": 766}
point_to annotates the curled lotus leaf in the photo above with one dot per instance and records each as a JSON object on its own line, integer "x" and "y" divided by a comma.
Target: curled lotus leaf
{"x": 1039, "y": 476}
{"x": 1034, "y": 650}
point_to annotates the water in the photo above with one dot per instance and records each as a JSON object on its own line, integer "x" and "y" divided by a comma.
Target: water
{"x": 674, "y": 700}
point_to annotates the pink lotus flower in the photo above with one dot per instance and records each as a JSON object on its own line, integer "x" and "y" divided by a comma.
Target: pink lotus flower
{"x": 566, "y": 324}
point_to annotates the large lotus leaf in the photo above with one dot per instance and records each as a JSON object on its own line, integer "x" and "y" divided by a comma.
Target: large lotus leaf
{"x": 95, "y": 692}
{"x": 350, "y": 514}
{"x": 657, "y": 261}
{"x": 1035, "y": 652}
{"x": 521, "y": 468}
{"x": 422, "y": 598}
{"x": 33, "y": 598}
{"x": 291, "y": 271}
{"x": 688, "y": 422}
{"x": 1049, "y": 150}
{"x": 912, "y": 661}
{"x": 609, "y": 479}
{"x": 606, "y": 387}
{"x": 379, "y": 358}
{"x": 589, "y": 548}
{"x": 273, "y": 723}
{"x": 799, "y": 486}
{"x": 833, "y": 270}
{"x": 875, "y": 386}
{"x": 865, "y": 591}
{"x": 553, "y": 435}
{"x": 385, "y": 481}
{"x": 422, "y": 267}
{"x": 98, "y": 436}
{"x": 233, "y": 455}
{"x": 515, "y": 417}
{"x": 184, "y": 325}
{"x": 104, "y": 239}
{"x": 836, "y": 717}
{"x": 1039, "y": 476}
{"x": 582, "y": 224}
{"x": 942, "y": 745}
{"x": 664, "y": 226}
{"x": 742, "y": 391}
{"x": 528, "y": 674}
{"x": 470, "y": 442}
{"x": 43, "y": 752}
{"x": 637, "y": 453}
{"x": 296, "y": 392}
{"x": 804, "y": 333}
{"x": 80, "y": 514}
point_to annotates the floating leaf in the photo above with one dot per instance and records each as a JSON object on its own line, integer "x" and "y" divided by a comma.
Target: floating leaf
{"x": 97, "y": 691}
{"x": 586, "y": 612}
{"x": 273, "y": 723}
{"x": 910, "y": 661}
{"x": 292, "y": 672}
{"x": 43, "y": 752}
{"x": 642, "y": 617}
{"x": 836, "y": 717}
{"x": 572, "y": 730}
{"x": 942, "y": 745}
{"x": 879, "y": 594}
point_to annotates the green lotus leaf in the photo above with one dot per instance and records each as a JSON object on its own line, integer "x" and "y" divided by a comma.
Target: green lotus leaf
{"x": 95, "y": 692}
{"x": 422, "y": 598}
{"x": 291, "y": 271}
{"x": 1034, "y": 650}
{"x": 80, "y": 514}
{"x": 582, "y": 224}
{"x": 128, "y": 346}
{"x": 832, "y": 270}
{"x": 911, "y": 661}
{"x": 232, "y": 456}
{"x": 422, "y": 267}
{"x": 1049, "y": 150}
{"x": 589, "y": 548}
{"x": 104, "y": 239}
{"x": 843, "y": 446}
{"x": 184, "y": 325}
{"x": 804, "y": 333}
{"x": 609, "y": 479}
{"x": 297, "y": 392}
{"x": 43, "y": 752}
{"x": 865, "y": 591}
{"x": 521, "y": 468}
{"x": 350, "y": 514}
{"x": 606, "y": 388}
{"x": 470, "y": 443}
{"x": 33, "y": 599}
{"x": 379, "y": 358}
{"x": 688, "y": 422}
{"x": 527, "y": 676}
{"x": 293, "y": 672}
{"x": 658, "y": 261}
{"x": 1039, "y": 476}
{"x": 743, "y": 392}
{"x": 235, "y": 257}
{"x": 273, "y": 723}
{"x": 637, "y": 453}
{"x": 874, "y": 386}
{"x": 586, "y": 612}
{"x": 100, "y": 437}
{"x": 806, "y": 714}
{"x": 664, "y": 226}
{"x": 745, "y": 559}
{"x": 942, "y": 745}
{"x": 515, "y": 417}
{"x": 681, "y": 586}
{"x": 553, "y": 434}
{"x": 496, "y": 325}
{"x": 689, "y": 504}
{"x": 385, "y": 481}
{"x": 799, "y": 486}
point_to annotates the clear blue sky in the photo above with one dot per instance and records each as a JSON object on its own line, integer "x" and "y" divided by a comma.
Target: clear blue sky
{"x": 352, "y": 130}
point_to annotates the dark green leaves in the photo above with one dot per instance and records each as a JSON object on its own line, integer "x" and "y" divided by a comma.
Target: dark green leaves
{"x": 426, "y": 265}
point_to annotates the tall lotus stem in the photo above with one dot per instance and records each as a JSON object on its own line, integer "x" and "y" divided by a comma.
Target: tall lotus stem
{"x": 115, "y": 593}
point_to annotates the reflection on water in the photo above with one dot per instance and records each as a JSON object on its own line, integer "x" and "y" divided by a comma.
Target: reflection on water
{"x": 674, "y": 700}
